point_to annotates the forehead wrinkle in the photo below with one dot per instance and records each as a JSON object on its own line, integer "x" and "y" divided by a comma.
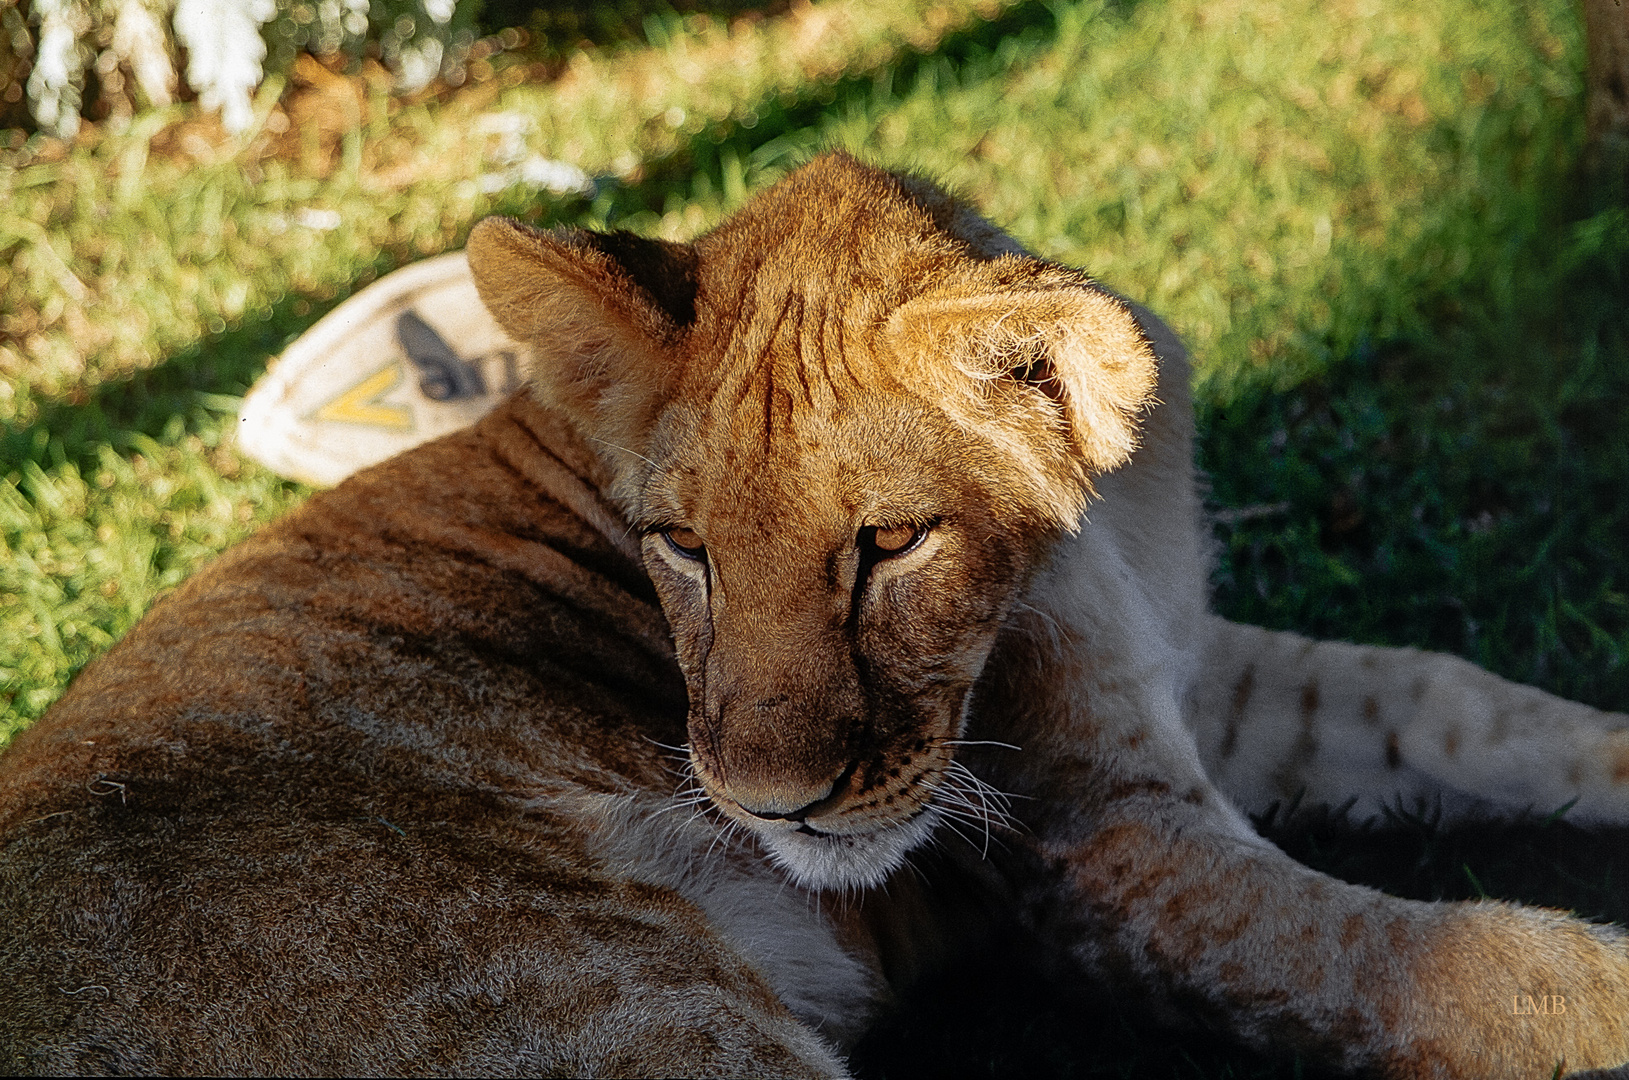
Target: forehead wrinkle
{"x": 822, "y": 350}
{"x": 801, "y": 328}
{"x": 774, "y": 370}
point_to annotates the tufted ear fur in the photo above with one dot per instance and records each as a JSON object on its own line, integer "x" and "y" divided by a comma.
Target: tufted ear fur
{"x": 1056, "y": 372}
{"x": 602, "y": 313}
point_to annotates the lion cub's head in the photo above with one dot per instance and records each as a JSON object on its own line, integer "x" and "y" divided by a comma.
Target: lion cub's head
{"x": 846, "y": 423}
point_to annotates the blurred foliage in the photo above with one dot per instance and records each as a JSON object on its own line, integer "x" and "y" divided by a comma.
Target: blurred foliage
{"x": 114, "y": 59}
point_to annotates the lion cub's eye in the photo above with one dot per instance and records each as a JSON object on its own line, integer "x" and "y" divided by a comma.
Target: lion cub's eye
{"x": 685, "y": 543}
{"x": 895, "y": 540}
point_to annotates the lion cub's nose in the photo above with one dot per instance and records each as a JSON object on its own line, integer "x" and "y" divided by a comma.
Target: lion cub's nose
{"x": 790, "y": 803}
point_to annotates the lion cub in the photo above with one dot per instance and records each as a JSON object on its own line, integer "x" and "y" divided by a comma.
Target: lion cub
{"x": 389, "y": 788}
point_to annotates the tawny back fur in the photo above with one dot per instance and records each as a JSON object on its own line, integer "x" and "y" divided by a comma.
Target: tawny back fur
{"x": 388, "y": 787}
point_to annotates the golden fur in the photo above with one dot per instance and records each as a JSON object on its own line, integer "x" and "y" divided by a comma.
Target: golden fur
{"x": 384, "y": 789}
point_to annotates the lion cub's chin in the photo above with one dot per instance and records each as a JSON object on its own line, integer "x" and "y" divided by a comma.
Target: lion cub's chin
{"x": 827, "y": 861}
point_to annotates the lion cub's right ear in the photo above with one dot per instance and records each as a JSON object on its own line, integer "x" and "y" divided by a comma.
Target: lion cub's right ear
{"x": 602, "y": 313}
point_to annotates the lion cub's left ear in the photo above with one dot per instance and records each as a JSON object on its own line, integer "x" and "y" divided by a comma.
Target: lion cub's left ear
{"x": 1057, "y": 371}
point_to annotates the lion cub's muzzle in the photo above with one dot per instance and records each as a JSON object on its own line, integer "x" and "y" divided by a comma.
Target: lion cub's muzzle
{"x": 855, "y": 830}
{"x": 778, "y": 749}
{"x": 836, "y": 789}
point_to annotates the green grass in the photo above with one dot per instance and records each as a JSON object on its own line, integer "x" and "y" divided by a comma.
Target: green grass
{"x": 1365, "y": 216}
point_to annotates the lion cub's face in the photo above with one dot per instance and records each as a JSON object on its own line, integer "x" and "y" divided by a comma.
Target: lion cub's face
{"x": 845, "y": 434}
{"x": 834, "y": 579}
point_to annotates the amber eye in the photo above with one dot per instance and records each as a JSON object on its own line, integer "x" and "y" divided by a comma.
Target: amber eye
{"x": 894, "y": 540}
{"x": 685, "y": 543}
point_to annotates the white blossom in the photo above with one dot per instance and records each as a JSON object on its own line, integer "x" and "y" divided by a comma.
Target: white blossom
{"x": 224, "y": 51}
{"x": 339, "y": 21}
{"x": 59, "y": 65}
{"x": 560, "y": 177}
{"x": 140, "y": 41}
{"x": 318, "y": 220}
{"x": 356, "y": 17}
{"x": 418, "y": 63}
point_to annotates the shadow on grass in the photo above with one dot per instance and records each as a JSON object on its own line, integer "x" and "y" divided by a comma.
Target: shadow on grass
{"x": 1466, "y": 492}
{"x": 784, "y": 129}
{"x": 169, "y": 400}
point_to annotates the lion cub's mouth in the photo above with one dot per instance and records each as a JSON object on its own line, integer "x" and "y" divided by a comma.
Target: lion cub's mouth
{"x": 821, "y": 860}
{"x": 832, "y": 844}
{"x": 818, "y": 857}
{"x": 853, "y": 841}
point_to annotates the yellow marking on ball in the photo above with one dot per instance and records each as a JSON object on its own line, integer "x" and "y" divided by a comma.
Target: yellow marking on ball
{"x": 361, "y": 405}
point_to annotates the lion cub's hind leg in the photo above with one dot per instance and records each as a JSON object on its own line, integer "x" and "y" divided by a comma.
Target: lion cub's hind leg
{"x": 1278, "y": 716}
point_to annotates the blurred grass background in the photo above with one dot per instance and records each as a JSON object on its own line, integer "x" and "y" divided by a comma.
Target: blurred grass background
{"x": 1367, "y": 217}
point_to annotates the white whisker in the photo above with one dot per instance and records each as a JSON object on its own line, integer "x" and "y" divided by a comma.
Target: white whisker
{"x": 659, "y": 811}
{"x": 984, "y": 827}
{"x": 961, "y": 796}
{"x": 977, "y": 742}
{"x": 978, "y": 814}
{"x": 625, "y": 450}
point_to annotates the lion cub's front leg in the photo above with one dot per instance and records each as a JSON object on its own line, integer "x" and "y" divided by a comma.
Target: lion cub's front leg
{"x": 1287, "y": 958}
{"x": 1146, "y": 876}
